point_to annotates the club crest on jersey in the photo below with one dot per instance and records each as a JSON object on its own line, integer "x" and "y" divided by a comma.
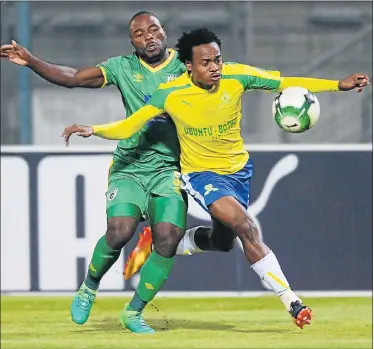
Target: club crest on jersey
{"x": 172, "y": 77}
{"x": 112, "y": 194}
{"x": 138, "y": 77}
{"x": 225, "y": 97}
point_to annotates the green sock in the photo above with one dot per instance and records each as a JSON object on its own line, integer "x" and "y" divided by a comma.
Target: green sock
{"x": 153, "y": 275}
{"x": 102, "y": 260}
{"x": 136, "y": 303}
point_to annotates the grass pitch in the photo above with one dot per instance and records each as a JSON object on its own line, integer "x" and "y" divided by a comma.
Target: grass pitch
{"x": 36, "y": 322}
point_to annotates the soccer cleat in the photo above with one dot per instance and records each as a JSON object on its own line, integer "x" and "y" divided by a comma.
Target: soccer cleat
{"x": 139, "y": 254}
{"x": 302, "y": 315}
{"x": 134, "y": 321}
{"x": 81, "y": 305}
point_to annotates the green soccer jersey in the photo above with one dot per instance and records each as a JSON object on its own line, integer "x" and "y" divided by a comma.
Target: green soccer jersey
{"x": 156, "y": 145}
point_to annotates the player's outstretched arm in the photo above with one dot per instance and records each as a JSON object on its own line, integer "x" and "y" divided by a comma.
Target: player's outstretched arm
{"x": 121, "y": 129}
{"x": 91, "y": 77}
{"x": 356, "y": 81}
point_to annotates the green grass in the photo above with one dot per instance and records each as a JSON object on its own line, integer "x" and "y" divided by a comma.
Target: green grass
{"x": 35, "y": 322}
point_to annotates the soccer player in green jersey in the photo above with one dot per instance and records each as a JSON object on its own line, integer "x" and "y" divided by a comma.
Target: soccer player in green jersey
{"x": 143, "y": 179}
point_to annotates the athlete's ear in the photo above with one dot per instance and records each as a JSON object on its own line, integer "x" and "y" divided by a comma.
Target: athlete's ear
{"x": 188, "y": 65}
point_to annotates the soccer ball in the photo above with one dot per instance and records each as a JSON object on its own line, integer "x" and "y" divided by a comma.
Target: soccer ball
{"x": 296, "y": 110}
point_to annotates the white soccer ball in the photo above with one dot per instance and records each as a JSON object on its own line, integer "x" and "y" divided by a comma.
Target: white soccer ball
{"x": 296, "y": 110}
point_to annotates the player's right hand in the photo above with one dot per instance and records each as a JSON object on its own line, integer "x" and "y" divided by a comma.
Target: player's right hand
{"x": 16, "y": 54}
{"x": 80, "y": 130}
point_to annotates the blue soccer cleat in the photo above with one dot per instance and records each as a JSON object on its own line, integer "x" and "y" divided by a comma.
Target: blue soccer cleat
{"x": 81, "y": 305}
{"x": 133, "y": 320}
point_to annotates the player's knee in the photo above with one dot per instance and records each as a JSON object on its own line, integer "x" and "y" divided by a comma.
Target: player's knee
{"x": 120, "y": 231}
{"x": 247, "y": 230}
{"x": 166, "y": 238}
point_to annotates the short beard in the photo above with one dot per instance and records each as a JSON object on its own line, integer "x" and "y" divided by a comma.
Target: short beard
{"x": 156, "y": 58}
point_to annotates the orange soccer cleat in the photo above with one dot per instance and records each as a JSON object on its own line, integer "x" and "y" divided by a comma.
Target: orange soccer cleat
{"x": 139, "y": 254}
{"x": 302, "y": 315}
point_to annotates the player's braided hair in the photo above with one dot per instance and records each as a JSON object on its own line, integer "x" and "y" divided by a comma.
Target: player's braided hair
{"x": 141, "y": 13}
{"x": 194, "y": 38}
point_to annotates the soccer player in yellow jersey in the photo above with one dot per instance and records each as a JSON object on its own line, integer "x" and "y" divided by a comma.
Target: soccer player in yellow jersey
{"x": 205, "y": 105}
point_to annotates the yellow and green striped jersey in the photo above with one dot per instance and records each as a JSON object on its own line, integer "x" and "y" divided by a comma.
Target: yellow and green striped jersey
{"x": 208, "y": 122}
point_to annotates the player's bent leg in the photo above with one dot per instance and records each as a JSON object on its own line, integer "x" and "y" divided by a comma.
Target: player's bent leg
{"x": 126, "y": 201}
{"x": 106, "y": 253}
{"x": 217, "y": 238}
{"x": 167, "y": 230}
{"x": 119, "y": 231}
{"x": 263, "y": 261}
{"x": 123, "y": 217}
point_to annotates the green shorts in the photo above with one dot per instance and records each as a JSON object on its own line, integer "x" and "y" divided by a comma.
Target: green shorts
{"x": 156, "y": 196}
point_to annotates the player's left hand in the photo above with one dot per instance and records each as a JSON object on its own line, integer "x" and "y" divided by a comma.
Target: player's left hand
{"x": 80, "y": 130}
{"x": 356, "y": 81}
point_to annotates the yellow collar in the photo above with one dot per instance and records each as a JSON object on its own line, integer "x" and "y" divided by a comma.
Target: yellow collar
{"x": 161, "y": 66}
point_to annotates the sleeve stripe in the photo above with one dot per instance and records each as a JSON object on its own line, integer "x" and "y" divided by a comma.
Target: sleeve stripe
{"x": 265, "y": 83}
{"x": 249, "y": 81}
{"x": 104, "y": 75}
{"x": 159, "y": 97}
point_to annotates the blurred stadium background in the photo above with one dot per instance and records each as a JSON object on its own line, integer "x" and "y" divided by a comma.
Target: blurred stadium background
{"x": 319, "y": 39}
